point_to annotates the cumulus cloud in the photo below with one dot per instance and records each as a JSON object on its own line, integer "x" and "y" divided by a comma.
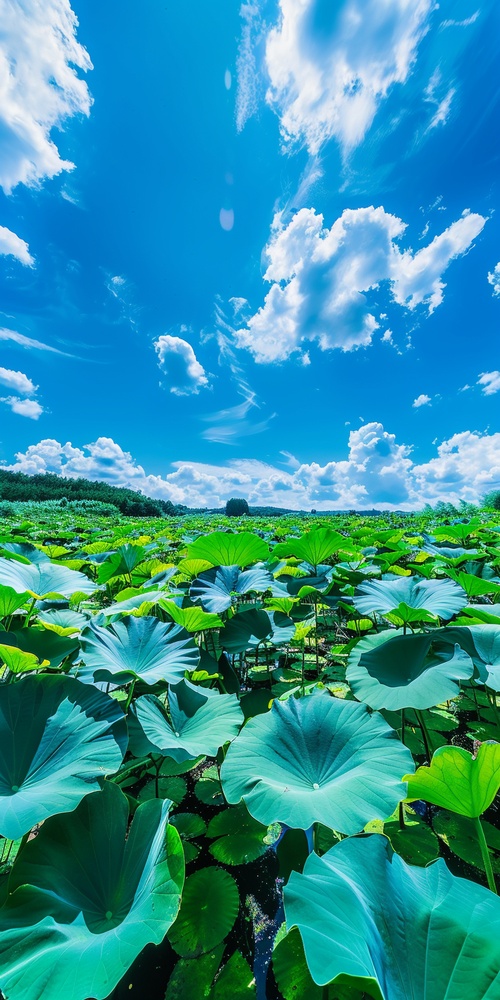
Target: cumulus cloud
{"x": 13, "y": 246}
{"x": 331, "y": 65}
{"x": 23, "y": 407}
{"x": 421, "y": 400}
{"x": 320, "y": 278}
{"x": 39, "y": 87}
{"x": 490, "y": 382}
{"x": 494, "y": 279}
{"x": 377, "y": 472}
{"x": 177, "y": 360}
{"x": 17, "y": 381}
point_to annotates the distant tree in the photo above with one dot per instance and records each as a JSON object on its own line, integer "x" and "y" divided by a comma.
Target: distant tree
{"x": 492, "y": 500}
{"x": 313, "y": 510}
{"x": 236, "y": 507}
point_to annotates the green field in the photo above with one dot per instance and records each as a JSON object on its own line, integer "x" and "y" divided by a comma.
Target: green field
{"x": 249, "y": 758}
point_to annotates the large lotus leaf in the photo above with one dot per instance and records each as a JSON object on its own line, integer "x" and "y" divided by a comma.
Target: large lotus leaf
{"x": 63, "y": 622}
{"x": 214, "y": 588}
{"x": 58, "y": 737}
{"x": 486, "y": 639}
{"x": 198, "y": 722}
{"x": 86, "y": 896}
{"x": 222, "y": 548}
{"x": 458, "y": 781}
{"x": 246, "y": 630}
{"x": 44, "y": 644}
{"x": 44, "y": 578}
{"x": 22, "y": 551}
{"x": 401, "y": 932}
{"x": 316, "y": 759}
{"x": 137, "y": 647}
{"x": 440, "y": 597}
{"x": 393, "y": 670}
{"x": 313, "y": 547}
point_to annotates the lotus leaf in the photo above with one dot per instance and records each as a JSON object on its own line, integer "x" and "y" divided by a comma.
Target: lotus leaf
{"x": 86, "y": 896}
{"x": 223, "y": 548}
{"x": 392, "y": 670}
{"x": 400, "y": 932}
{"x": 199, "y": 721}
{"x": 316, "y": 759}
{"x": 486, "y": 639}
{"x": 137, "y": 647}
{"x": 439, "y": 597}
{"x": 11, "y": 601}
{"x": 209, "y": 907}
{"x": 214, "y": 588}
{"x": 43, "y": 644}
{"x": 313, "y": 547}
{"x": 458, "y": 781}
{"x": 43, "y": 578}
{"x": 58, "y": 737}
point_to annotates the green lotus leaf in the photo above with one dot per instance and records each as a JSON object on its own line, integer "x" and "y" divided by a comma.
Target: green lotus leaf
{"x": 459, "y": 833}
{"x": 458, "y": 781}
{"x": 43, "y": 644}
{"x": 215, "y": 588}
{"x": 58, "y": 738}
{"x": 316, "y": 759}
{"x": 18, "y": 662}
{"x": 137, "y": 647}
{"x": 486, "y": 639}
{"x": 64, "y": 622}
{"x": 11, "y": 601}
{"x": 246, "y": 630}
{"x": 43, "y": 578}
{"x": 198, "y": 722}
{"x": 210, "y": 904}
{"x": 192, "y": 619}
{"x": 392, "y": 670}
{"x": 86, "y": 896}
{"x": 440, "y": 597}
{"x": 313, "y": 547}
{"x": 474, "y": 586}
{"x": 401, "y": 932}
{"x": 240, "y": 838}
{"x": 293, "y": 977}
{"x": 223, "y": 548}
{"x": 122, "y": 562}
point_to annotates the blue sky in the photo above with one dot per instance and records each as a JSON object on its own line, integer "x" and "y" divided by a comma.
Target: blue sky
{"x": 252, "y": 249}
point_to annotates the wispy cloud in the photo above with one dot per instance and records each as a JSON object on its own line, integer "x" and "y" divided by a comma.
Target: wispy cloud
{"x": 29, "y": 342}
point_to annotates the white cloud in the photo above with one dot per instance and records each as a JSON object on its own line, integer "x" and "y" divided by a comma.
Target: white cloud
{"x": 490, "y": 382}
{"x": 179, "y": 364}
{"x": 421, "y": 400}
{"x": 246, "y": 66}
{"x": 377, "y": 472}
{"x": 23, "y": 407}
{"x": 320, "y": 278}
{"x": 17, "y": 381}
{"x": 29, "y": 342}
{"x": 434, "y": 94}
{"x": 39, "y": 87}
{"x": 331, "y": 65}
{"x": 494, "y": 279}
{"x": 13, "y": 246}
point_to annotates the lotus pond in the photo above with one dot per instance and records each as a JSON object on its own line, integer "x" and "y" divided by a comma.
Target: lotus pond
{"x": 250, "y": 759}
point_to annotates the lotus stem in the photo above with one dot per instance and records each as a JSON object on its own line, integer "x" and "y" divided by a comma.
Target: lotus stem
{"x": 130, "y": 695}
{"x": 402, "y": 725}
{"x": 402, "y": 823}
{"x": 425, "y": 734}
{"x": 30, "y": 612}
{"x": 485, "y": 853}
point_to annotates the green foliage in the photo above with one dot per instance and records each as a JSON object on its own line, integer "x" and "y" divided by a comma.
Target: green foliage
{"x": 143, "y": 659}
